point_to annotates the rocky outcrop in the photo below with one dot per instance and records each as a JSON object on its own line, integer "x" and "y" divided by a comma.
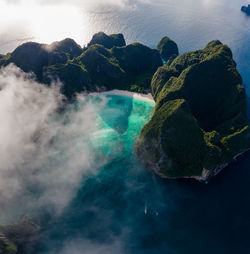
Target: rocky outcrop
{"x": 246, "y": 9}
{"x": 168, "y": 49}
{"x": 199, "y": 124}
{"x": 108, "y": 41}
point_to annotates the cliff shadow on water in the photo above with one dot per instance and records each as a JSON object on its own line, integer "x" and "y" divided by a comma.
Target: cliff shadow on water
{"x": 116, "y": 112}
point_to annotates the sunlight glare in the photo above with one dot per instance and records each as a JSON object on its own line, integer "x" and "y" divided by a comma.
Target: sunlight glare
{"x": 45, "y": 23}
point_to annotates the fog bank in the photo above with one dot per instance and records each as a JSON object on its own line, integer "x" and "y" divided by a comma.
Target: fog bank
{"x": 35, "y": 170}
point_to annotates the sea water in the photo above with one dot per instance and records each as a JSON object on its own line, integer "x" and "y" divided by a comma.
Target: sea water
{"x": 125, "y": 208}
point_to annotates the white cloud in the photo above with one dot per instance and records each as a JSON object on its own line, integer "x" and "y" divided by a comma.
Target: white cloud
{"x": 45, "y": 155}
{"x": 44, "y": 23}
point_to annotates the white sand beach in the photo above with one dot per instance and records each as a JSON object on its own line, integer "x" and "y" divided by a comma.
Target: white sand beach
{"x": 144, "y": 97}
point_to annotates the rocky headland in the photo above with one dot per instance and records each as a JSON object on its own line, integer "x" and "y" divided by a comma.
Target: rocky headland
{"x": 168, "y": 49}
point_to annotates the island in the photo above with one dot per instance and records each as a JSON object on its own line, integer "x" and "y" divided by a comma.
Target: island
{"x": 246, "y": 9}
{"x": 199, "y": 124}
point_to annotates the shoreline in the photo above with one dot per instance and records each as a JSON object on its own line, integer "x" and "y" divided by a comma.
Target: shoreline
{"x": 143, "y": 97}
{"x": 206, "y": 174}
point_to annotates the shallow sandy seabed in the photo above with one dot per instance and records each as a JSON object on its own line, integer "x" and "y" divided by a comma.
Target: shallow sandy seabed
{"x": 144, "y": 97}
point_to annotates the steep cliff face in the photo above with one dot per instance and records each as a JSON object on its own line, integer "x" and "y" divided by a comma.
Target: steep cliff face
{"x": 168, "y": 49}
{"x": 199, "y": 123}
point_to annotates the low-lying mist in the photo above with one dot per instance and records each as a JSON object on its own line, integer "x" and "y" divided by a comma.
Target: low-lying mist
{"x": 44, "y": 153}
{"x": 77, "y": 179}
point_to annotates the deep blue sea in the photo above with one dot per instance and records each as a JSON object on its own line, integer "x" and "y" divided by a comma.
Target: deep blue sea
{"x": 125, "y": 209}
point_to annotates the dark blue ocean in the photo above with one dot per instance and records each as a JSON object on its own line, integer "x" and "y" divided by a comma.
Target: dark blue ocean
{"x": 124, "y": 208}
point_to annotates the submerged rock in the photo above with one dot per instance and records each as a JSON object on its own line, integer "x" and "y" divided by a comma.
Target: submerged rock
{"x": 199, "y": 124}
{"x": 168, "y": 49}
